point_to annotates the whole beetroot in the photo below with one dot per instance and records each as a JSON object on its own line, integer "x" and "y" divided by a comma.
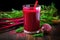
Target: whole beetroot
{"x": 47, "y": 28}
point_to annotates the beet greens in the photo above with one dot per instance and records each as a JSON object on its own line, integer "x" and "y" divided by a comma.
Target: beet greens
{"x": 12, "y": 14}
{"x": 47, "y": 14}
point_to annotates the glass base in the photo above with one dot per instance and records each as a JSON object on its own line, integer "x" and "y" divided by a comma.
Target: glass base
{"x": 31, "y": 32}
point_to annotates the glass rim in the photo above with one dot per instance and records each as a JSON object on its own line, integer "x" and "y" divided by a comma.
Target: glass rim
{"x": 30, "y": 5}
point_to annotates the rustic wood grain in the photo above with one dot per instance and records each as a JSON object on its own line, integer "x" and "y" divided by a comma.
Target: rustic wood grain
{"x": 12, "y": 35}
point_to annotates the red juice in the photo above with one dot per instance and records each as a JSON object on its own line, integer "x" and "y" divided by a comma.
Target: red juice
{"x": 31, "y": 19}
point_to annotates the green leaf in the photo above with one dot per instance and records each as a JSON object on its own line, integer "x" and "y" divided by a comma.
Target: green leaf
{"x": 56, "y": 18}
{"x": 20, "y": 29}
{"x": 38, "y": 35}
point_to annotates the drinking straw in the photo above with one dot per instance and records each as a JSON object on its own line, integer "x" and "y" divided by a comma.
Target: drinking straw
{"x": 36, "y": 3}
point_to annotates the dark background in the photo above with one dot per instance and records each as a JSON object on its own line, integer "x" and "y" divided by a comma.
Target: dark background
{"x": 7, "y": 5}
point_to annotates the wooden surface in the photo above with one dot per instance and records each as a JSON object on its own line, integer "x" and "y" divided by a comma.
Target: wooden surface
{"x": 12, "y": 35}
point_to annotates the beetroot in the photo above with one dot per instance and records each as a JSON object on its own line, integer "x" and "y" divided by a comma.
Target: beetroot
{"x": 46, "y": 28}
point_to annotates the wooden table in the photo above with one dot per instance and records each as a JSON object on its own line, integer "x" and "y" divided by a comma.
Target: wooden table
{"x": 12, "y": 35}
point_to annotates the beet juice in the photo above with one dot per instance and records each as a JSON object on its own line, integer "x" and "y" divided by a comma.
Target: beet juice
{"x": 31, "y": 19}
